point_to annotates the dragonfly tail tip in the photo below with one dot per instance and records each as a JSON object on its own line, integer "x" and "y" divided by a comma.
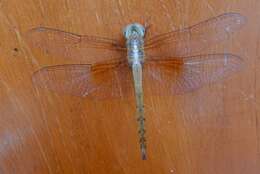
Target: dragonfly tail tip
{"x": 144, "y": 156}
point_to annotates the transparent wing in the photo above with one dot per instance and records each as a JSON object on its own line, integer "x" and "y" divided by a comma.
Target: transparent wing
{"x": 192, "y": 40}
{"x": 111, "y": 79}
{"x": 64, "y": 44}
{"x": 178, "y": 76}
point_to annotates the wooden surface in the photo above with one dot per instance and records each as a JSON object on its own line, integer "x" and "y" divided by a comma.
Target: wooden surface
{"x": 213, "y": 130}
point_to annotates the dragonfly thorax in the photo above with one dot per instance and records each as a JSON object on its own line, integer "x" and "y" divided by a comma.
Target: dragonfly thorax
{"x": 134, "y": 34}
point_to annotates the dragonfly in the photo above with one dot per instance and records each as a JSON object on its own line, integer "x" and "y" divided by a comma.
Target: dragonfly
{"x": 171, "y": 61}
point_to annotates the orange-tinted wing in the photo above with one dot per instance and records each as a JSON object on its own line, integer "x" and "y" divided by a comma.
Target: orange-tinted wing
{"x": 105, "y": 80}
{"x": 178, "y": 76}
{"x": 192, "y": 40}
{"x": 69, "y": 45}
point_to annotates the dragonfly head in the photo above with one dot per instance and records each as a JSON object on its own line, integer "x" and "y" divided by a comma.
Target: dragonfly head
{"x": 134, "y": 29}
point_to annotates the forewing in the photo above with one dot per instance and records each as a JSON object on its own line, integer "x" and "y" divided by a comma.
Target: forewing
{"x": 192, "y": 40}
{"x": 105, "y": 80}
{"x": 178, "y": 76}
{"x": 69, "y": 45}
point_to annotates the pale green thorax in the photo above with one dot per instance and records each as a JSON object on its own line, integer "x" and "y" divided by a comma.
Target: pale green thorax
{"x": 134, "y": 35}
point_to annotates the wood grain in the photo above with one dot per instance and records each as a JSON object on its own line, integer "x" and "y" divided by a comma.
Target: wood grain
{"x": 213, "y": 130}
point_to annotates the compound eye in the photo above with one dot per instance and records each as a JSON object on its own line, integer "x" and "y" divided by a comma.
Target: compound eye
{"x": 135, "y": 27}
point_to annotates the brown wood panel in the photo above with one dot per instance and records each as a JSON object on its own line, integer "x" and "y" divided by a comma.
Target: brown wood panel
{"x": 212, "y": 130}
